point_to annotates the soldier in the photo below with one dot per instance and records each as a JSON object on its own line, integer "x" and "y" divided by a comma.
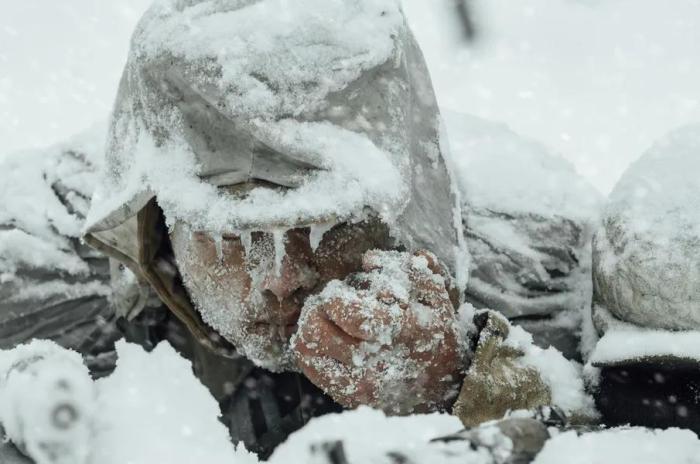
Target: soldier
{"x": 276, "y": 204}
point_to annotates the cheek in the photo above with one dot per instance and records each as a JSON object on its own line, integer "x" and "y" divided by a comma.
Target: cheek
{"x": 223, "y": 268}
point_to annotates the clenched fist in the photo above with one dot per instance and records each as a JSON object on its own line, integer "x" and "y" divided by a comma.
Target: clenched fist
{"x": 385, "y": 337}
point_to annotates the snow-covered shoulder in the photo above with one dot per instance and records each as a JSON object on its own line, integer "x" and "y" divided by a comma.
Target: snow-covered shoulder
{"x": 505, "y": 172}
{"x": 46, "y": 194}
{"x": 646, "y": 253}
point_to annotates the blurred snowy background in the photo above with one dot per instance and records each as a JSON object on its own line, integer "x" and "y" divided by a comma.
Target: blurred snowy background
{"x": 596, "y": 80}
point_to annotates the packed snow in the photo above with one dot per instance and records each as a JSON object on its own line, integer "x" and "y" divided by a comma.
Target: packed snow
{"x": 150, "y": 409}
{"x": 615, "y": 446}
{"x": 621, "y": 346}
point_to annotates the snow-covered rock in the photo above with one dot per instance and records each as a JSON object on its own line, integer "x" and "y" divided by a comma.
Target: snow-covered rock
{"x": 646, "y": 256}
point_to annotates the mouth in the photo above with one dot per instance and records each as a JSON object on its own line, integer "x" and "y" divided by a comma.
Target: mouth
{"x": 265, "y": 328}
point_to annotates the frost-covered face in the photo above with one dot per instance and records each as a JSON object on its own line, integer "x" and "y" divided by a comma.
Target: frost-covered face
{"x": 251, "y": 287}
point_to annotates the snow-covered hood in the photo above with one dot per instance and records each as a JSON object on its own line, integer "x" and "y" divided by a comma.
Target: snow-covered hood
{"x": 329, "y": 102}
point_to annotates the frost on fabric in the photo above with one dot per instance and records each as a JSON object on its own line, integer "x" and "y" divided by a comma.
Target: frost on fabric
{"x": 274, "y": 62}
{"x": 275, "y": 58}
{"x": 502, "y": 171}
{"x": 528, "y": 218}
{"x": 46, "y": 194}
{"x": 617, "y": 445}
{"x": 563, "y": 377}
{"x": 647, "y": 251}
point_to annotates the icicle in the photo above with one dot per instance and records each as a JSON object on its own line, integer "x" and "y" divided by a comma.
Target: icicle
{"x": 246, "y": 241}
{"x": 278, "y": 238}
{"x": 219, "y": 243}
{"x": 316, "y": 234}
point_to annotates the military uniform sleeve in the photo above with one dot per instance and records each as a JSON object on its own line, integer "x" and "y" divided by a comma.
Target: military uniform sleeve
{"x": 52, "y": 286}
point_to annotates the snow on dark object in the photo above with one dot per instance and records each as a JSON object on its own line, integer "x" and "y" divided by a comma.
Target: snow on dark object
{"x": 647, "y": 251}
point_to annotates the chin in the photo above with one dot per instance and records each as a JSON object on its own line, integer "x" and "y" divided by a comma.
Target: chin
{"x": 271, "y": 354}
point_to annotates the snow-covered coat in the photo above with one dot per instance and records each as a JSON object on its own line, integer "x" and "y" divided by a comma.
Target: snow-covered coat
{"x": 529, "y": 218}
{"x": 330, "y": 101}
{"x": 52, "y": 286}
{"x": 646, "y": 300}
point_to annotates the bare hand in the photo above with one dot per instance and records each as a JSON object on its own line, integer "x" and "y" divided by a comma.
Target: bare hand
{"x": 385, "y": 337}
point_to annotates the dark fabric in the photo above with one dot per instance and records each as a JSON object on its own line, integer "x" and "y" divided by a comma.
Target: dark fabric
{"x": 652, "y": 394}
{"x": 268, "y": 407}
{"x": 259, "y": 408}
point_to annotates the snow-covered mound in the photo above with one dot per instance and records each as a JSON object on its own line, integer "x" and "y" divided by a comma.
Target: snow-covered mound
{"x": 615, "y": 446}
{"x": 47, "y": 402}
{"x": 646, "y": 256}
{"x": 368, "y": 436}
{"x": 153, "y": 409}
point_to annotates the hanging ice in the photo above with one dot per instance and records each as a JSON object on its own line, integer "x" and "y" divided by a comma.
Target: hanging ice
{"x": 278, "y": 238}
{"x": 246, "y": 241}
{"x": 219, "y": 243}
{"x": 317, "y": 232}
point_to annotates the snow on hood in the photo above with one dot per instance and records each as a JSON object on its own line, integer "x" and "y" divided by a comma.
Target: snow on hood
{"x": 328, "y": 102}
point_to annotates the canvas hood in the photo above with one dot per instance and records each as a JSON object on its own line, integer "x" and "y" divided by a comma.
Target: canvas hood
{"x": 329, "y": 99}
{"x": 328, "y": 103}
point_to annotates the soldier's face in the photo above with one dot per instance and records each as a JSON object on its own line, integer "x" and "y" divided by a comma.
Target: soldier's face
{"x": 251, "y": 289}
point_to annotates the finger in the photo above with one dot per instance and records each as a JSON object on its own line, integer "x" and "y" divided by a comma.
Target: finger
{"x": 362, "y": 318}
{"x": 319, "y": 336}
{"x": 433, "y": 263}
{"x": 346, "y": 386}
{"x": 429, "y": 290}
{"x": 327, "y": 374}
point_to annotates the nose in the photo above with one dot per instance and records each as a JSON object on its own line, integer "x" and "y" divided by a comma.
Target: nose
{"x": 291, "y": 276}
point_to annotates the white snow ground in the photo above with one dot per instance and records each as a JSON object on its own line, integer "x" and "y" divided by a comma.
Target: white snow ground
{"x": 144, "y": 419}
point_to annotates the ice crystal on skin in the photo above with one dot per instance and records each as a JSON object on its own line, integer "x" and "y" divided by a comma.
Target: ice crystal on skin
{"x": 385, "y": 301}
{"x": 233, "y": 310}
